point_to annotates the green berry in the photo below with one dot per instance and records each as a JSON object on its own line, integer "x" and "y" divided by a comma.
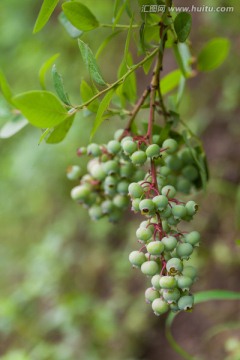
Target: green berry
{"x": 170, "y": 145}
{"x": 171, "y": 295}
{"x": 155, "y": 282}
{"x": 186, "y": 156}
{"x": 173, "y": 162}
{"x": 110, "y": 182}
{"x": 150, "y": 268}
{"x": 126, "y": 138}
{"x": 179, "y": 211}
{"x": 164, "y": 170}
{"x": 113, "y": 147}
{"x": 186, "y": 302}
{"x": 139, "y": 175}
{"x": 137, "y": 258}
{"x": 183, "y": 185}
{"x": 191, "y": 207}
{"x": 167, "y": 282}
{"x": 172, "y": 221}
{"x": 122, "y": 187}
{"x": 73, "y": 172}
{"x": 165, "y": 226}
{"x": 138, "y": 157}
{"x": 110, "y": 167}
{"x": 82, "y": 151}
{"x": 94, "y": 150}
{"x": 135, "y": 205}
{"x": 126, "y": 170}
{"x": 190, "y": 172}
{"x": 146, "y": 206}
{"x": 153, "y": 151}
{"x": 169, "y": 191}
{"x": 107, "y": 206}
{"x": 193, "y": 238}
{"x": 81, "y": 192}
{"x": 155, "y": 247}
{"x": 95, "y": 212}
{"x": 121, "y": 201}
{"x": 135, "y": 190}
{"x": 184, "y": 282}
{"x": 159, "y": 306}
{"x": 160, "y": 201}
{"x": 114, "y": 215}
{"x": 170, "y": 243}
{"x": 174, "y": 307}
{"x": 174, "y": 266}
{"x": 118, "y": 134}
{"x": 190, "y": 271}
{"x": 184, "y": 250}
{"x": 144, "y": 234}
{"x": 166, "y": 213}
{"x": 129, "y": 147}
{"x": 96, "y": 170}
{"x": 151, "y": 295}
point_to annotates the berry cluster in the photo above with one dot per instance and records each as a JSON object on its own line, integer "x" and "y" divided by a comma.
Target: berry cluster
{"x": 148, "y": 174}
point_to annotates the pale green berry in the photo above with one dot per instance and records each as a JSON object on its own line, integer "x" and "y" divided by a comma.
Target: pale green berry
{"x": 95, "y": 212}
{"x": 191, "y": 207}
{"x": 174, "y": 307}
{"x": 118, "y": 134}
{"x": 137, "y": 258}
{"x": 135, "y": 205}
{"x": 138, "y": 175}
{"x": 94, "y": 150}
{"x": 97, "y": 171}
{"x": 126, "y": 138}
{"x": 172, "y": 180}
{"x": 110, "y": 182}
{"x": 156, "y": 138}
{"x": 144, "y": 234}
{"x": 129, "y": 147}
{"x": 121, "y": 201}
{"x": 171, "y": 295}
{"x": 179, "y": 211}
{"x": 155, "y": 248}
{"x": 169, "y": 191}
{"x": 151, "y": 295}
{"x": 126, "y": 170}
{"x": 165, "y": 226}
{"x": 164, "y": 170}
{"x": 146, "y": 206}
{"x": 172, "y": 221}
{"x": 110, "y": 167}
{"x": 174, "y": 266}
{"x": 122, "y": 187}
{"x": 167, "y": 282}
{"x": 186, "y": 302}
{"x": 81, "y": 192}
{"x": 184, "y": 250}
{"x": 183, "y": 185}
{"x": 139, "y": 157}
{"x": 82, "y": 151}
{"x": 107, "y": 206}
{"x": 150, "y": 268}
{"x": 166, "y": 213}
{"x": 161, "y": 181}
{"x": 173, "y": 162}
{"x": 190, "y": 172}
{"x": 160, "y": 201}
{"x": 73, "y": 172}
{"x": 186, "y": 156}
{"x": 155, "y": 282}
{"x": 159, "y": 306}
{"x": 113, "y": 147}
{"x": 153, "y": 151}
{"x": 170, "y": 145}
{"x": 135, "y": 190}
{"x": 190, "y": 271}
{"x": 184, "y": 282}
{"x": 169, "y": 242}
{"x": 192, "y": 238}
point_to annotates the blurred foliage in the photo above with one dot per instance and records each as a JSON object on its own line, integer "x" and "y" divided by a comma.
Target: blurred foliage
{"x": 67, "y": 290}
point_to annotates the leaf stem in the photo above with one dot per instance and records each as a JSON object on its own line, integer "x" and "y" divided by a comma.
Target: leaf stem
{"x": 119, "y": 26}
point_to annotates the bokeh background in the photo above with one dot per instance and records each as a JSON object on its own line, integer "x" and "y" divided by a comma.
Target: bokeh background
{"x": 67, "y": 290}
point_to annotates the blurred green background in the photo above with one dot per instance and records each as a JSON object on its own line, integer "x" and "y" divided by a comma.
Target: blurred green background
{"x": 67, "y": 289}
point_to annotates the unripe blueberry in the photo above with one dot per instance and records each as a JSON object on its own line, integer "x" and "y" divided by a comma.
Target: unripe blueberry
{"x": 161, "y": 181}
{"x": 172, "y": 180}
{"x": 186, "y": 156}
{"x": 184, "y": 250}
{"x": 91, "y": 199}
{"x": 174, "y": 266}
{"x": 186, "y": 302}
{"x": 184, "y": 282}
{"x": 165, "y": 226}
{"x": 126, "y": 138}
{"x": 190, "y": 172}
{"x": 111, "y": 167}
{"x": 167, "y": 282}
{"x": 82, "y": 151}
{"x": 81, "y": 192}
{"x": 192, "y": 238}
{"x": 122, "y": 187}
{"x": 137, "y": 258}
{"x": 146, "y": 206}
{"x": 170, "y": 145}
{"x": 160, "y": 201}
{"x": 164, "y": 170}
{"x": 159, "y": 306}
{"x": 155, "y": 282}
{"x": 95, "y": 212}
{"x": 135, "y": 190}
{"x": 191, "y": 207}
{"x": 183, "y": 185}
{"x": 156, "y": 138}
{"x": 73, "y": 172}
{"x": 155, "y": 247}
{"x": 179, "y": 211}
{"x": 150, "y": 268}
{"x": 171, "y": 295}
{"x": 94, "y": 150}
{"x": 135, "y": 205}
{"x": 113, "y": 147}
{"x": 172, "y": 221}
{"x": 110, "y": 182}
{"x": 97, "y": 171}
{"x": 118, "y": 133}
{"x": 121, "y": 201}
{"x": 166, "y": 213}
{"x": 153, "y": 151}
{"x": 169, "y": 191}
{"x": 151, "y": 295}
{"x": 114, "y": 215}
{"x": 107, "y": 206}
{"x": 138, "y": 157}
{"x": 190, "y": 271}
{"x": 126, "y": 170}
{"x": 173, "y": 162}
{"x": 129, "y": 147}
{"x": 169, "y": 243}
{"x": 144, "y": 234}
{"x": 139, "y": 175}
{"x": 174, "y": 307}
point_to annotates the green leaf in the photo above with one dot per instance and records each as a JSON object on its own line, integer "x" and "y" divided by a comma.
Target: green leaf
{"x": 213, "y": 54}
{"x": 13, "y": 126}
{"x": 90, "y": 63}
{"x": 170, "y": 81}
{"x": 86, "y": 94}
{"x": 182, "y": 25}
{"x": 44, "y": 68}
{"x": 183, "y": 57}
{"x": 128, "y": 90}
{"x": 80, "y": 16}
{"x": 59, "y": 86}
{"x": 102, "y": 108}
{"x": 46, "y": 11}
{"x": 6, "y": 90}
{"x": 105, "y": 43}
{"x": 60, "y": 131}
{"x": 71, "y": 30}
{"x": 127, "y": 43}
{"x": 42, "y": 108}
